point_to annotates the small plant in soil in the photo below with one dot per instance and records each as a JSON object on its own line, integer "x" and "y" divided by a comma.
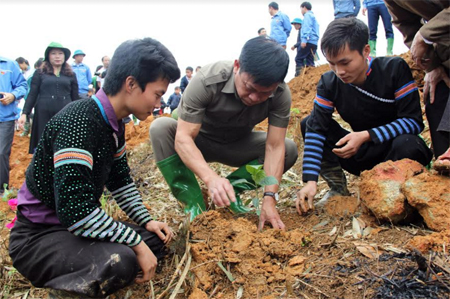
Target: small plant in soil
{"x": 260, "y": 179}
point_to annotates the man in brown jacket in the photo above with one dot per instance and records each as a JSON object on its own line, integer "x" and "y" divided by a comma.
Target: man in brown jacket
{"x": 426, "y": 30}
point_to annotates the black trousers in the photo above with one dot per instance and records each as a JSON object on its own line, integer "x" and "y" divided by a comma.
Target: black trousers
{"x": 438, "y": 116}
{"x": 370, "y": 154}
{"x": 50, "y": 256}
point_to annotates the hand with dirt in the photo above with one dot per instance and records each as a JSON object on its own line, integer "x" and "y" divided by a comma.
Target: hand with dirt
{"x": 307, "y": 193}
{"x": 147, "y": 262}
{"x": 221, "y": 191}
{"x": 352, "y": 142}
{"x": 161, "y": 229}
{"x": 431, "y": 80}
{"x": 270, "y": 214}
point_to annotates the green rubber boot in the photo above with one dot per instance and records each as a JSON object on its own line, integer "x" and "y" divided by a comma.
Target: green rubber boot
{"x": 373, "y": 48}
{"x": 183, "y": 184}
{"x": 390, "y": 46}
{"x": 241, "y": 173}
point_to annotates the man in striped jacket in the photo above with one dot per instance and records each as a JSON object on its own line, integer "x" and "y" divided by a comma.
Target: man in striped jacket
{"x": 377, "y": 97}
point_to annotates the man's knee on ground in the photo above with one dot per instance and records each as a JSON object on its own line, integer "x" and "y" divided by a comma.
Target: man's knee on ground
{"x": 412, "y": 147}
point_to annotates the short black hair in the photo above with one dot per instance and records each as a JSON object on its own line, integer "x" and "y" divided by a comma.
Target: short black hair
{"x": 264, "y": 60}
{"x": 21, "y": 60}
{"x": 145, "y": 59}
{"x": 190, "y": 68}
{"x": 38, "y": 63}
{"x": 307, "y": 5}
{"x": 103, "y": 58}
{"x": 274, "y": 5}
{"x": 342, "y": 32}
{"x": 261, "y": 29}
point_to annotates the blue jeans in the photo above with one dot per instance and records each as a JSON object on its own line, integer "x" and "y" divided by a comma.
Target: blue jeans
{"x": 305, "y": 56}
{"x": 374, "y": 12}
{"x": 6, "y": 140}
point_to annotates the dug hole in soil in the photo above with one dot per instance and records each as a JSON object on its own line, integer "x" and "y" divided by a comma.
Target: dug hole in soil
{"x": 338, "y": 251}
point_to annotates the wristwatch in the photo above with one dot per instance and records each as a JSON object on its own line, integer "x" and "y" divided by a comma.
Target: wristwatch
{"x": 272, "y": 194}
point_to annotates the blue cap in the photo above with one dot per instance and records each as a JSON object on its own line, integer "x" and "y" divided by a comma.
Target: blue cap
{"x": 294, "y": 21}
{"x": 78, "y": 52}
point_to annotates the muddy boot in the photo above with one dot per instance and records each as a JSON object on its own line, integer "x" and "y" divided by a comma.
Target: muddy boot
{"x": 183, "y": 184}
{"x": 26, "y": 129}
{"x": 390, "y": 46}
{"x": 241, "y": 173}
{"x": 336, "y": 180}
{"x": 373, "y": 48}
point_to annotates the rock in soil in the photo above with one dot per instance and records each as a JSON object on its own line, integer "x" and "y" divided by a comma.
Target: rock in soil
{"x": 380, "y": 189}
{"x": 430, "y": 195}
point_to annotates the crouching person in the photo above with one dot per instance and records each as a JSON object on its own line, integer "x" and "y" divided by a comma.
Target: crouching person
{"x": 63, "y": 239}
{"x": 217, "y": 114}
{"x": 376, "y": 96}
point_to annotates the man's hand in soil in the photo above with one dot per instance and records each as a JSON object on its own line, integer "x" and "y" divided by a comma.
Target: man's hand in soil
{"x": 431, "y": 80}
{"x": 305, "y": 197}
{"x": 8, "y": 98}
{"x": 351, "y": 144}
{"x": 221, "y": 191}
{"x": 161, "y": 229}
{"x": 270, "y": 214}
{"x": 147, "y": 262}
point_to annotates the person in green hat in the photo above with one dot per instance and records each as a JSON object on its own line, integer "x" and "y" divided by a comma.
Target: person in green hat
{"x": 83, "y": 73}
{"x": 299, "y": 63}
{"x": 53, "y": 86}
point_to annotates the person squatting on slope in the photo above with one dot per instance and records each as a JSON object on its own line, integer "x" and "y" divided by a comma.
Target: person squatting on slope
{"x": 377, "y": 97}
{"x": 62, "y": 238}
{"x": 216, "y": 117}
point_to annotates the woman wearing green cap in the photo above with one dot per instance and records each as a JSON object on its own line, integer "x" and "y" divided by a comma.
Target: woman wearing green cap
{"x": 53, "y": 86}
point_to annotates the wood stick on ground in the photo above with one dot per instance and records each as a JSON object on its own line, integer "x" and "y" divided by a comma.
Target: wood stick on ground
{"x": 182, "y": 278}
{"x": 175, "y": 274}
{"x": 313, "y": 287}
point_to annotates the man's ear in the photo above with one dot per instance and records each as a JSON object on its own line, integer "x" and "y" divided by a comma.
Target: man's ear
{"x": 366, "y": 51}
{"x": 130, "y": 84}
{"x": 236, "y": 66}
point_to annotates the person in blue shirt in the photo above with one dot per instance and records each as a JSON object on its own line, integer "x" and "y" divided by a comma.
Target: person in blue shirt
{"x": 309, "y": 37}
{"x": 13, "y": 87}
{"x": 186, "y": 79}
{"x": 174, "y": 99}
{"x": 280, "y": 27}
{"x": 84, "y": 76}
{"x": 376, "y": 9}
{"x": 346, "y": 8}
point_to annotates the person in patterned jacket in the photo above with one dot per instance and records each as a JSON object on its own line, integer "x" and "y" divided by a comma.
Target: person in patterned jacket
{"x": 377, "y": 97}
{"x": 62, "y": 238}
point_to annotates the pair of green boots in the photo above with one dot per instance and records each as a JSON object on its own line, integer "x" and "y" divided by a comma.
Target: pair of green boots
{"x": 373, "y": 47}
{"x": 185, "y": 188}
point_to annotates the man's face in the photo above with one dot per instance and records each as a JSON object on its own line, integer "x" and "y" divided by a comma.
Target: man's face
{"x": 263, "y": 32}
{"x": 105, "y": 61}
{"x": 250, "y": 93}
{"x": 303, "y": 10}
{"x": 23, "y": 66}
{"x": 189, "y": 74}
{"x": 297, "y": 26}
{"x": 78, "y": 58}
{"x": 350, "y": 66}
{"x": 177, "y": 91}
{"x": 271, "y": 11}
{"x": 142, "y": 103}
